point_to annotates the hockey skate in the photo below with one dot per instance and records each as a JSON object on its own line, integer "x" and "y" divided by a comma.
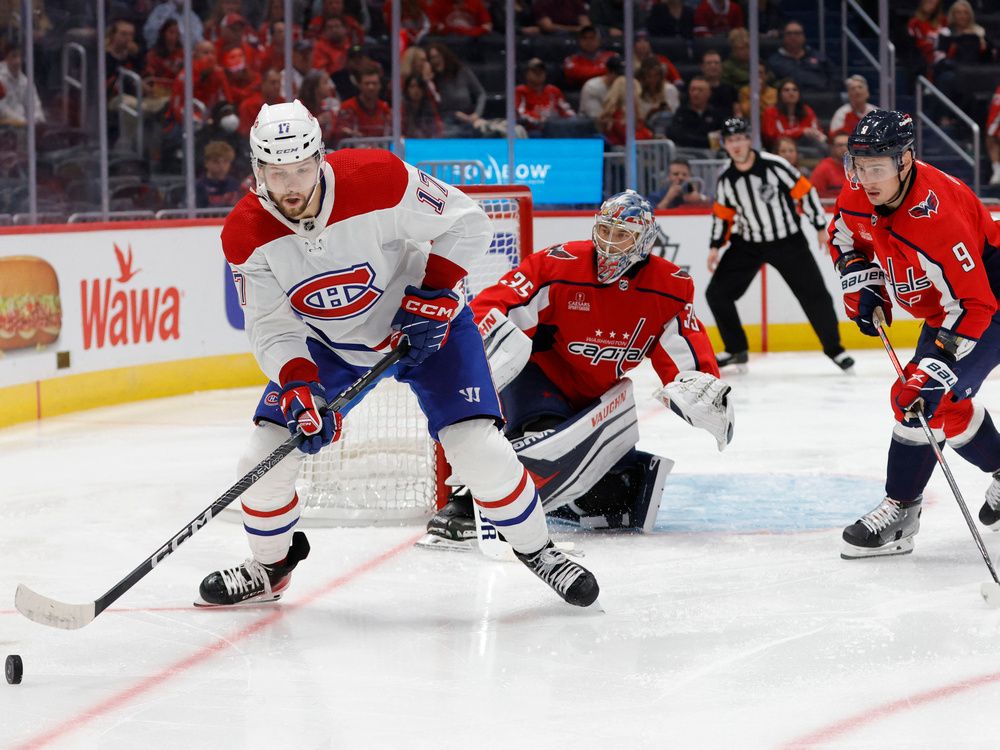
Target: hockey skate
{"x": 454, "y": 521}
{"x": 845, "y": 362}
{"x": 252, "y": 582}
{"x": 736, "y": 361}
{"x": 989, "y": 514}
{"x": 887, "y": 530}
{"x": 573, "y": 582}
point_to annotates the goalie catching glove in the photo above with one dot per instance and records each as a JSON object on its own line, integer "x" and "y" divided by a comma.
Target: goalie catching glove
{"x": 424, "y": 319}
{"x": 701, "y": 400}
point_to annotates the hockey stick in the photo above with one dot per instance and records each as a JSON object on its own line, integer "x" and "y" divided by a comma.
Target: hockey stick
{"x": 57, "y": 614}
{"x": 989, "y": 591}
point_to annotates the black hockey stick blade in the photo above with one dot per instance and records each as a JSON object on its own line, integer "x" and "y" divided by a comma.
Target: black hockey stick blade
{"x": 56, "y": 614}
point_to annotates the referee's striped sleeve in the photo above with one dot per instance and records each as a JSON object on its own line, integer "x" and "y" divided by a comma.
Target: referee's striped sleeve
{"x": 722, "y": 223}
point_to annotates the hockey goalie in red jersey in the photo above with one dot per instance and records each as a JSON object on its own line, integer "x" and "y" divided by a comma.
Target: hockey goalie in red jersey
{"x": 901, "y": 224}
{"x": 561, "y": 332}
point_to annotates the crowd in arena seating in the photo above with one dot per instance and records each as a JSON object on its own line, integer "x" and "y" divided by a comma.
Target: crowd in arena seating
{"x": 691, "y": 73}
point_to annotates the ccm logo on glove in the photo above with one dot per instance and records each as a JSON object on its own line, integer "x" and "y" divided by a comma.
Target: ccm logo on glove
{"x": 429, "y": 309}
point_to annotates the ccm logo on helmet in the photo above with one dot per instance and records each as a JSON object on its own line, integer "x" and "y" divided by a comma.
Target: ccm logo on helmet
{"x": 428, "y": 309}
{"x": 336, "y": 295}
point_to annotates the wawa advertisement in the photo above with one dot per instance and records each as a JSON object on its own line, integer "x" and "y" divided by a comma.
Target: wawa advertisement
{"x": 73, "y": 302}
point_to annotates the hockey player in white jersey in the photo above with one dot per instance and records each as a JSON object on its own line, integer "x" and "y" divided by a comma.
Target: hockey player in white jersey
{"x": 336, "y": 258}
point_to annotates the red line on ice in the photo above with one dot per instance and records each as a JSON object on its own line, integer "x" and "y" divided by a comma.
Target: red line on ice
{"x": 870, "y": 716}
{"x": 197, "y": 658}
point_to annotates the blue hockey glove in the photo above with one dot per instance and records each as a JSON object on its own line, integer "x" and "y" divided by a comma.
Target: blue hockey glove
{"x": 303, "y": 405}
{"x": 863, "y": 285}
{"x": 424, "y": 318}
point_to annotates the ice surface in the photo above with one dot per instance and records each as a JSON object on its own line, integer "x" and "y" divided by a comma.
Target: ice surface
{"x": 735, "y": 625}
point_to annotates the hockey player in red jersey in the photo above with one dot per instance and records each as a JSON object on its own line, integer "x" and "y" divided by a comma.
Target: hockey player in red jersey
{"x": 902, "y": 224}
{"x": 562, "y": 330}
{"x": 334, "y": 264}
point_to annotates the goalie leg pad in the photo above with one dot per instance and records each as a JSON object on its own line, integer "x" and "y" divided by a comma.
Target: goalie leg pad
{"x": 569, "y": 460}
{"x": 628, "y": 497}
{"x": 500, "y": 485}
{"x": 532, "y": 397}
{"x": 270, "y": 506}
{"x": 508, "y": 348}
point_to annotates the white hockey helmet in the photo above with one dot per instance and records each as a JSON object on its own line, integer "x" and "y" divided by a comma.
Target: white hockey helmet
{"x": 283, "y": 134}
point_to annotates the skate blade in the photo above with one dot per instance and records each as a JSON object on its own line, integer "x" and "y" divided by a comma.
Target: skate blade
{"x": 432, "y": 541}
{"x": 901, "y": 547}
{"x": 991, "y": 594}
{"x": 202, "y": 604}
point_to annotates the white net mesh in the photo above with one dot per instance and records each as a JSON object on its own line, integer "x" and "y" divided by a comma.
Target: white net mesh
{"x": 383, "y": 470}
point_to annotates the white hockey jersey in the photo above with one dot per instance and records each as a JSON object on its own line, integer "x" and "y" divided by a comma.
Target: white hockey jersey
{"x": 339, "y": 278}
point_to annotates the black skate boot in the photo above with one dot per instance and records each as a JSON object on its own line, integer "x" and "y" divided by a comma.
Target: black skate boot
{"x": 252, "y": 582}
{"x": 845, "y": 362}
{"x": 887, "y": 530}
{"x": 737, "y": 361}
{"x": 571, "y": 581}
{"x": 454, "y": 521}
{"x": 989, "y": 514}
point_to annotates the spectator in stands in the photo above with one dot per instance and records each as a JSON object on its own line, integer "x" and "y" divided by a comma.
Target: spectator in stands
{"x": 589, "y": 61}
{"x": 560, "y": 16}
{"x": 671, "y": 18}
{"x": 166, "y": 58}
{"x": 681, "y": 191}
{"x": 268, "y": 93}
{"x": 847, "y": 116}
{"x": 365, "y": 115}
{"x": 217, "y": 188}
{"x": 724, "y": 96}
{"x": 120, "y": 51}
{"x": 170, "y": 9}
{"x": 209, "y": 83}
{"x": 348, "y": 79}
{"x": 609, "y": 16}
{"x": 16, "y": 90}
{"x": 643, "y": 49}
{"x": 271, "y": 51}
{"x": 595, "y": 91}
{"x": 233, "y": 33}
{"x": 537, "y": 101}
{"x": 717, "y": 17}
{"x": 924, "y": 29}
{"x": 415, "y": 24}
{"x": 736, "y": 68}
{"x": 993, "y": 136}
{"x": 244, "y": 82}
{"x": 462, "y": 95}
{"x": 790, "y": 117}
{"x": 786, "y": 148}
{"x": 696, "y": 121}
{"x": 319, "y": 96}
{"x": 768, "y": 94}
{"x": 657, "y": 98}
{"x": 613, "y": 123}
{"x": 301, "y": 64}
{"x": 420, "y": 113}
{"x": 967, "y": 43}
{"x": 276, "y": 14}
{"x": 459, "y": 17}
{"x": 795, "y": 60}
{"x": 330, "y": 49}
{"x": 353, "y": 27}
{"x": 217, "y": 16}
{"x": 828, "y": 176}
{"x": 414, "y": 62}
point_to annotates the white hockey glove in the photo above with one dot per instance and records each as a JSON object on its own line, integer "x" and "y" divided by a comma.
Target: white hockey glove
{"x": 507, "y": 347}
{"x": 701, "y": 400}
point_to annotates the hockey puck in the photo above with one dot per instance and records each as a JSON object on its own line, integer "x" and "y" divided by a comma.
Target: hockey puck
{"x": 13, "y": 668}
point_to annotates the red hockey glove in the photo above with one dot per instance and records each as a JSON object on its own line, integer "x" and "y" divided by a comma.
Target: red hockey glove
{"x": 304, "y": 406}
{"x": 863, "y": 285}
{"x": 929, "y": 383}
{"x": 424, "y": 318}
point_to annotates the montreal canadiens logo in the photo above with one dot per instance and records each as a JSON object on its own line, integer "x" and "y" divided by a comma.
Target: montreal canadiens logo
{"x": 336, "y": 295}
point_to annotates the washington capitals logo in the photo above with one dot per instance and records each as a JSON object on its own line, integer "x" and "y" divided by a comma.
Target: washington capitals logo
{"x": 926, "y": 207}
{"x": 560, "y": 253}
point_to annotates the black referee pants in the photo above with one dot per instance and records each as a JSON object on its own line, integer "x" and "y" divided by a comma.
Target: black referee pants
{"x": 791, "y": 258}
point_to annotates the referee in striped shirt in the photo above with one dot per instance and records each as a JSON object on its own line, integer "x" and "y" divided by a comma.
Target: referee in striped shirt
{"x": 756, "y": 214}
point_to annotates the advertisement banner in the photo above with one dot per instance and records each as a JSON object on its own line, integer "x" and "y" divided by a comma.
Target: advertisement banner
{"x": 558, "y": 170}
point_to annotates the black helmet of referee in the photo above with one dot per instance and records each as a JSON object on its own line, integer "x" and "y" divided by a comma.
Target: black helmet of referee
{"x": 735, "y": 126}
{"x": 882, "y": 133}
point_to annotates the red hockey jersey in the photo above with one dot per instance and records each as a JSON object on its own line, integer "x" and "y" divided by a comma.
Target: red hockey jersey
{"x": 938, "y": 249}
{"x": 587, "y": 335}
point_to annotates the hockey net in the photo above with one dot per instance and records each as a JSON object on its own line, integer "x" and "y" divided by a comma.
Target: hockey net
{"x": 386, "y": 469}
